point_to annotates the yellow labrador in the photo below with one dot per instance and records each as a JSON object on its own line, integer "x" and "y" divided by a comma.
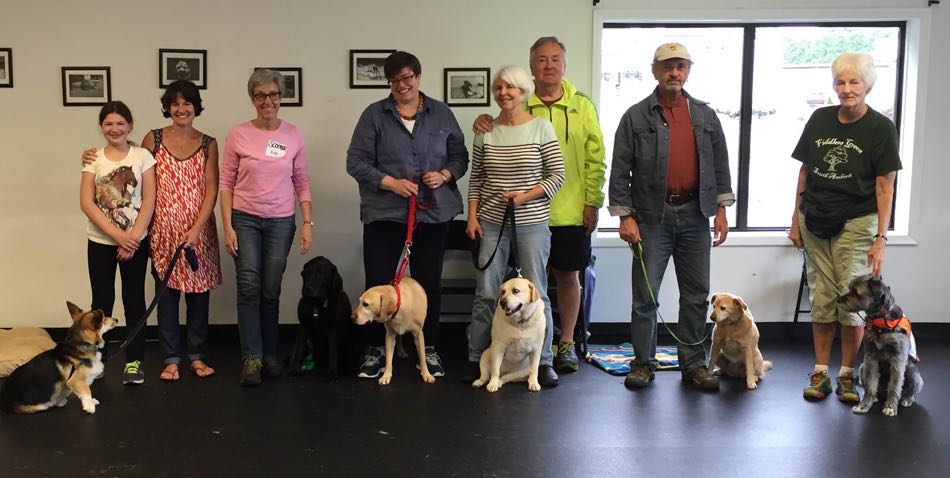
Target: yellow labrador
{"x": 735, "y": 343}
{"x": 517, "y": 336}
{"x": 405, "y": 313}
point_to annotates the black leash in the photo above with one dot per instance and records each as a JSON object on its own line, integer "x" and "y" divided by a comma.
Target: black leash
{"x": 509, "y": 218}
{"x": 192, "y": 257}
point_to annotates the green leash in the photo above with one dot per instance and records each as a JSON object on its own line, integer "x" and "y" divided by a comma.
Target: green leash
{"x": 637, "y": 251}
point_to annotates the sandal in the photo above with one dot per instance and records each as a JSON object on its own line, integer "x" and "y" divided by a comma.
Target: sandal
{"x": 169, "y": 373}
{"x": 201, "y": 369}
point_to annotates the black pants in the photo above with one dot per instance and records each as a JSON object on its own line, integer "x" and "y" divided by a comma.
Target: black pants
{"x": 382, "y": 245}
{"x": 102, "y": 265}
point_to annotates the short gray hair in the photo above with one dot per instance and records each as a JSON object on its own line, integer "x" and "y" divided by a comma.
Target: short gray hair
{"x": 543, "y": 40}
{"x": 515, "y": 76}
{"x": 861, "y": 64}
{"x": 263, "y": 76}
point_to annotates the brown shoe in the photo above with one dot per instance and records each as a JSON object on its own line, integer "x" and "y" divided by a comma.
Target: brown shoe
{"x": 272, "y": 367}
{"x": 251, "y": 372}
{"x": 639, "y": 376}
{"x": 699, "y": 377}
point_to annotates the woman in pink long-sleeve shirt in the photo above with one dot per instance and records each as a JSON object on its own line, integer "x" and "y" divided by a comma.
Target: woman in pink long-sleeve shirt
{"x": 263, "y": 167}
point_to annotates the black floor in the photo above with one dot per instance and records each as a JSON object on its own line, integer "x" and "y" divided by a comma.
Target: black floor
{"x": 589, "y": 426}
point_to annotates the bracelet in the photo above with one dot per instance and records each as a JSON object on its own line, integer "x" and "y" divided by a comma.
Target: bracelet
{"x": 444, "y": 177}
{"x": 882, "y": 236}
{"x": 307, "y": 223}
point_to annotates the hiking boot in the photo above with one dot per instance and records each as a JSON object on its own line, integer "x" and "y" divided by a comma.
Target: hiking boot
{"x": 845, "y": 389}
{"x": 373, "y": 364}
{"x": 565, "y": 359}
{"x": 272, "y": 368}
{"x": 639, "y": 376}
{"x": 547, "y": 377}
{"x": 251, "y": 372}
{"x": 434, "y": 363}
{"x": 132, "y": 373}
{"x": 819, "y": 386}
{"x": 699, "y": 377}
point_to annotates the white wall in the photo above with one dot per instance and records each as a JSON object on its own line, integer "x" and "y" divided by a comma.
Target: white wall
{"x": 42, "y": 240}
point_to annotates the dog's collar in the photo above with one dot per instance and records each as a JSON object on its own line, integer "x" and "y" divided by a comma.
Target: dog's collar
{"x": 87, "y": 346}
{"x": 398, "y": 301}
{"x": 523, "y": 320}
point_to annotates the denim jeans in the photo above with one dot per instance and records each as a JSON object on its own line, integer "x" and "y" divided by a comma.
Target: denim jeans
{"x": 196, "y": 323}
{"x": 263, "y": 245}
{"x": 683, "y": 233}
{"x": 534, "y": 246}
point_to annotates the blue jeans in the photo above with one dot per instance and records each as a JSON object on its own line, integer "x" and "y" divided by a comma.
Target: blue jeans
{"x": 169, "y": 328}
{"x": 534, "y": 246}
{"x": 683, "y": 233}
{"x": 263, "y": 245}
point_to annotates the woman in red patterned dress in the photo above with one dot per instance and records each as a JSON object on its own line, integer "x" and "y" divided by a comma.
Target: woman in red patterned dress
{"x": 187, "y": 188}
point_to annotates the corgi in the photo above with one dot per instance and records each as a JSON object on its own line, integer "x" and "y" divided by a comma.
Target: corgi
{"x": 47, "y": 379}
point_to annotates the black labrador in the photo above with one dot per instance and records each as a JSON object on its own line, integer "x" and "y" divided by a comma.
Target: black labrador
{"x": 325, "y": 327}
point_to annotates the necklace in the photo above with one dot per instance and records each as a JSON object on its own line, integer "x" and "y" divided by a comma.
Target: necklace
{"x": 412, "y": 116}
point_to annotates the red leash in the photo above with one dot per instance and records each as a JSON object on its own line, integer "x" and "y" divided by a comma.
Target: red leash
{"x": 404, "y": 262}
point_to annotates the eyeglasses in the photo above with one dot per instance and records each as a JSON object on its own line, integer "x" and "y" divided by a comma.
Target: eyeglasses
{"x": 260, "y": 97}
{"x": 405, "y": 79}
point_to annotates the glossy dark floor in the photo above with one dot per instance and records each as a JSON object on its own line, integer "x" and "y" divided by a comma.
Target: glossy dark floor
{"x": 588, "y": 426}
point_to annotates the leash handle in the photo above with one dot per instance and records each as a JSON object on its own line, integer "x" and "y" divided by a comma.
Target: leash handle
{"x": 192, "y": 257}
{"x": 508, "y": 219}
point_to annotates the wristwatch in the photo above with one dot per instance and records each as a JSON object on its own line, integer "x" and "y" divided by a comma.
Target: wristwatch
{"x": 308, "y": 223}
{"x": 445, "y": 177}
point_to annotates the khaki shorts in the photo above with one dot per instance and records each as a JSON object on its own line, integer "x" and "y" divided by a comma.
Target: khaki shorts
{"x": 833, "y": 263}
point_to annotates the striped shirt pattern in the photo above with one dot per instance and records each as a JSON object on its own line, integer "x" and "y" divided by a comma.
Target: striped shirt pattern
{"x": 516, "y": 158}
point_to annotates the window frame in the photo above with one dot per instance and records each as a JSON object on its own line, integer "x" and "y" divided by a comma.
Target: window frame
{"x": 914, "y": 29}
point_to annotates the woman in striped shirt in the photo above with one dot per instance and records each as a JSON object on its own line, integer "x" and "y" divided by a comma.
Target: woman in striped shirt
{"x": 518, "y": 159}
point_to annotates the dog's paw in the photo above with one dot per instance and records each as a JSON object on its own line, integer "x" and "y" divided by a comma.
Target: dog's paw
{"x": 478, "y": 383}
{"x": 428, "y": 378}
{"x": 891, "y": 412}
{"x": 860, "y": 408}
{"x": 907, "y": 402}
{"x": 89, "y": 408}
{"x": 95, "y": 402}
{"x": 493, "y": 385}
{"x": 534, "y": 386}
{"x": 751, "y": 384}
{"x": 385, "y": 379}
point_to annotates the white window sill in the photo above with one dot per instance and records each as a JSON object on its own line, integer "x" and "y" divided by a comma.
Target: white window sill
{"x": 610, "y": 240}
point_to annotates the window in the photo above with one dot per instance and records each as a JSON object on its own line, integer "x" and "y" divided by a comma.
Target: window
{"x": 764, "y": 81}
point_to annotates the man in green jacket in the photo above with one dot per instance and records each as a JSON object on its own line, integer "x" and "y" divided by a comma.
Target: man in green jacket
{"x": 574, "y": 208}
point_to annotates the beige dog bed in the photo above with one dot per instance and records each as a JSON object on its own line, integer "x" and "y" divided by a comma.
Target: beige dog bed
{"x": 19, "y": 345}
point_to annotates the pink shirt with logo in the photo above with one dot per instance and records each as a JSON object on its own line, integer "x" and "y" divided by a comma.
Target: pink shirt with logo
{"x": 265, "y": 169}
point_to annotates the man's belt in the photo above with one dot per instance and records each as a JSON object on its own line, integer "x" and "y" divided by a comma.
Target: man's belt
{"x": 678, "y": 199}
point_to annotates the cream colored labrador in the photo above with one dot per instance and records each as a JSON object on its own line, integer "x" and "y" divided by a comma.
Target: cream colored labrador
{"x": 735, "y": 343}
{"x": 517, "y": 336}
{"x": 405, "y": 313}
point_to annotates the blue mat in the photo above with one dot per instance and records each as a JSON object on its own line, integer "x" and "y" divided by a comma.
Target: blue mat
{"x": 615, "y": 359}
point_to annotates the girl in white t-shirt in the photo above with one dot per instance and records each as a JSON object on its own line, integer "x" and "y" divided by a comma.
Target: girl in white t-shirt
{"x": 117, "y": 194}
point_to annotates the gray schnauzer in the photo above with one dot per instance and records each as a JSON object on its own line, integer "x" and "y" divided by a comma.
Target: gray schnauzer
{"x": 890, "y": 355}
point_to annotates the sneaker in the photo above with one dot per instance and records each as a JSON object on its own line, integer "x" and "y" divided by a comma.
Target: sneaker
{"x": 251, "y": 372}
{"x": 819, "y": 386}
{"x": 373, "y": 364}
{"x": 639, "y": 376}
{"x": 845, "y": 389}
{"x": 272, "y": 368}
{"x": 699, "y": 377}
{"x": 132, "y": 373}
{"x": 565, "y": 359}
{"x": 434, "y": 363}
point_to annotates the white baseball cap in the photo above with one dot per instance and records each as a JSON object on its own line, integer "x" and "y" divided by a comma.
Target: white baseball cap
{"x": 671, "y": 50}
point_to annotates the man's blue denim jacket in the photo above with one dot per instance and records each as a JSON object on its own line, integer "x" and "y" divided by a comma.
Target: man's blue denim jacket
{"x": 639, "y": 169}
{"x": 382, "y": 145}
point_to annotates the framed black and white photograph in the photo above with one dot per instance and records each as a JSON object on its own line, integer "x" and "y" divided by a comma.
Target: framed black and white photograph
{"x": 6, "y": 68}
{"x": 191, "y": 65}
{"x": 293, "y": 84}
{"x": 366, "y": 68}
{"x": 86, "y": 85}
{"x": 467, "y": 86}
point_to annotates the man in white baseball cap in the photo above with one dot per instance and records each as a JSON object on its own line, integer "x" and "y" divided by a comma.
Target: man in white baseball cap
{"x": 670, "y": 174}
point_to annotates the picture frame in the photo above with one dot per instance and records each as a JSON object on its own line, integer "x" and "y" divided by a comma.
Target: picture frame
{"x": 467, "y": 86}
{"x": 6, "y": 68}
{"x": 86, "y": 85}
{"x": 366, "y": 68}
{"x": 191, "y": 65}
{"x": 293, "y": 84}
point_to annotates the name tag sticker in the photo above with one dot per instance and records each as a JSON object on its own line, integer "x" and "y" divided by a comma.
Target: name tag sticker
{"x": 275, "y": 149}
